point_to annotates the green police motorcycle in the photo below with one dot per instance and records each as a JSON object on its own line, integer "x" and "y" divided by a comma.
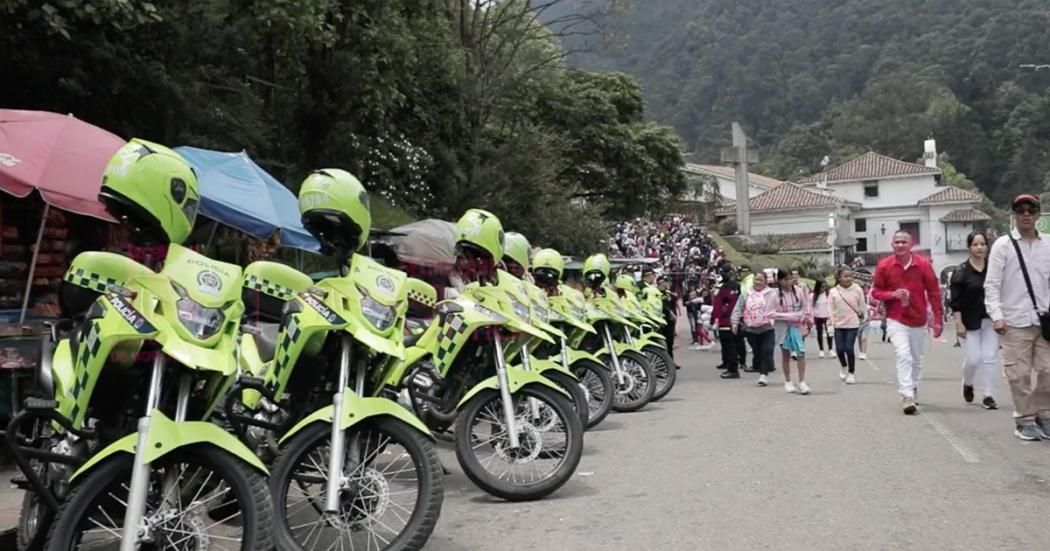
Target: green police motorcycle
{"x": 335, "y": 345}
{"x": 534, "y": 308}
{"x": 566, "y": 311}
{"x": 516, "y": 434}
{"x": 118, "y": 445}
{"x": 646, "y": 338}
{"x": 632, "y": 372}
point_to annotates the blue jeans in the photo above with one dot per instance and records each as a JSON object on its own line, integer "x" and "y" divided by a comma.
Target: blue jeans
{"x": 844, "y": 341}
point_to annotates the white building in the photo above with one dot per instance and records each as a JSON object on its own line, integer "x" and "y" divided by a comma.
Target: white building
{"x": 716, "y": 184}
{"x": 868, "y": 199}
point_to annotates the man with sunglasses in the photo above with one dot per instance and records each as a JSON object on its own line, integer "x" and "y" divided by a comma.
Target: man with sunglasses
{"x": 1010, "y": 305}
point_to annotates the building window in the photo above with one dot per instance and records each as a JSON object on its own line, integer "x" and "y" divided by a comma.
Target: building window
{"x": 860, "y": 225}
{"x": 862, "y": 244}
{"x": 913, "y": 229}
{"x": 871, "y": 188}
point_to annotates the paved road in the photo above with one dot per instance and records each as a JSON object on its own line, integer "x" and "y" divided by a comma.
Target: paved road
{"x": 728, "y": 465}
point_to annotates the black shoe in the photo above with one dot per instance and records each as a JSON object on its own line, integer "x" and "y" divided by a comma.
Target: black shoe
{"x": 676, "y": 366}
{"x": 749, "y": 369}
{"x": 731, "y": 375}
{"x": 968, "y": 393}
{"x": 989, "y": 403}
{"x": 721, "y": 366}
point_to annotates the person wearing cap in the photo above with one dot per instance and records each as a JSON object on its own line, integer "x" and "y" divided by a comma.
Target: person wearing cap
{"x": 1025, "y": 353}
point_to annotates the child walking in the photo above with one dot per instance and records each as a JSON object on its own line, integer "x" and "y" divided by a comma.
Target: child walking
{"x": 790, "y": 309}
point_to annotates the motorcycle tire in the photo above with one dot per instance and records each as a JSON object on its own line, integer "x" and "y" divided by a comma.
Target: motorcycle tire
{"x": 387, "y": 432}
{"x": 663, "y": 368}
{"x": 572, "y": 386}
{"x": 110, "y": 479}
{"x": 640, "y": 383}
{"x": 563, "y": 453}
{"x": 598, "y": 387}
{"x": 34, "y": 522}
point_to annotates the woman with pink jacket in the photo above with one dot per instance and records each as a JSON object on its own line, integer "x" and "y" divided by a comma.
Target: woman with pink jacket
{"x": 792, "y": 314}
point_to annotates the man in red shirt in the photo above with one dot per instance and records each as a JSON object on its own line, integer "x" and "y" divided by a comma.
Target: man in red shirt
{"x": 905, "y": 282}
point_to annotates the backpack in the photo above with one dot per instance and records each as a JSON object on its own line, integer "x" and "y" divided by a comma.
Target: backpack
{"x": 755, "y": 314}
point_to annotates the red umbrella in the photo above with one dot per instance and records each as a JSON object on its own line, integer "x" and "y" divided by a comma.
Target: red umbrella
{"x": 61, "y": 157}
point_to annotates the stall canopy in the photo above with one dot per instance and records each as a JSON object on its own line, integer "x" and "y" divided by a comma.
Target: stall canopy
{"x": 59, "y": 155}
{"x": 239, "y": 193}
{"x": 429, "y": 242}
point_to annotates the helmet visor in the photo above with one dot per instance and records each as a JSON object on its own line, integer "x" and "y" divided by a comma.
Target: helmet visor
{"x": 189, "y": 209}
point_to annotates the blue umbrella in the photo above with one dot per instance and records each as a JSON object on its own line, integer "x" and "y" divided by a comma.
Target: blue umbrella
{"x": 240, "y": 194}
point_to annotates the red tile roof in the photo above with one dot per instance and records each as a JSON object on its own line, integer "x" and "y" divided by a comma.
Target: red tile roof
{"x": 788, "y": 196}
{"x": 807, "y": 241}
{"x": 951, "y": 194}
{"x": 869, "y": 166}
{"x": 965, "y": 215}
{"x": 722, "y": 171}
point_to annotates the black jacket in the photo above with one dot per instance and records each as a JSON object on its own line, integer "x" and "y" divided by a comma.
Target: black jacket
{"x": 967, "y": 289}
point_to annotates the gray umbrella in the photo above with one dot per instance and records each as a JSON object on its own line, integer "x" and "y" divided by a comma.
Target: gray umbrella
{"x": 426, "y": 242}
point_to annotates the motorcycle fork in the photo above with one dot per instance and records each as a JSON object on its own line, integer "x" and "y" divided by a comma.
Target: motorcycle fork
{"x": 338, "y": 448}
{"x": 534, "y": 404}
{"x": 504, "y": 391}
{"x": 620, "y": 377}
{"x": 139, "y": 489}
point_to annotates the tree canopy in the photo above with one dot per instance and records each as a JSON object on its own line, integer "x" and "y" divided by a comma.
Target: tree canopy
{"x": 437, "y": 105}
{"x": 810, "y": 78}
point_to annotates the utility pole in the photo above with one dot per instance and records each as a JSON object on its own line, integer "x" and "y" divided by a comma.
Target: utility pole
{"x": 739, "y": 156}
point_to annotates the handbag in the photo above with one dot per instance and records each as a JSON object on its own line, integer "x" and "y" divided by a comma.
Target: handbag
{"x": 1044, "y": 317}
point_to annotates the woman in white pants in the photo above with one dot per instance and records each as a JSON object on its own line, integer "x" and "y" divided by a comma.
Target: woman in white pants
{"x": 980, "y": 343}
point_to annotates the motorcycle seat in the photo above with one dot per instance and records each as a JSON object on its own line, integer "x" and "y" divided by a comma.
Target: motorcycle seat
{"x": 265, "y": 336}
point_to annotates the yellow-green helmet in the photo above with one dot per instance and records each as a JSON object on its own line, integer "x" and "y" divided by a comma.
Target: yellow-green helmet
{"x": 334, "y": 208}
{"x": 152, "y": 190}
{"x": 625, "y": 282}
{"x": 548, "y": 266}
{"x": 596, "y": 269}
{"x": 516, "y": 247}
{"x": 481, "y": 230}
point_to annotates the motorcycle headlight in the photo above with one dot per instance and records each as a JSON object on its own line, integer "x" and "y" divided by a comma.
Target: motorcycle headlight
{"x": 381, "y": 316}
{"x": 541, "y": 312}
{"x": 490, "y": 313}
{"x": 521, "y": 310}
{"x": 554, "y": 315}
{"x": 202, "y": 322}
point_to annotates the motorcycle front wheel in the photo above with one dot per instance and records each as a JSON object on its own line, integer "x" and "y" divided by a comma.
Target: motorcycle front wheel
{"x": 663, "y": 368}
{"x": 598, "y": 387}
{"x": 638, "y": 385}
{"x": 199, "y": 497}
{"x": 572, "y": 386}
{"x": 550, "y": 443}
{"x": 391, "y": 499}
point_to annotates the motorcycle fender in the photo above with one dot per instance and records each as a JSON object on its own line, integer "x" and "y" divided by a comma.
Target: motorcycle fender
{"x": 622, "y": 347}
{"x": 357, "y": 409}
{"x": 550, "y": 364}
{"x": 576, "y": 355}
{"x": 517, "y": 377}
{"x": 166, "y": 436}
{"x": 646, "y": 340}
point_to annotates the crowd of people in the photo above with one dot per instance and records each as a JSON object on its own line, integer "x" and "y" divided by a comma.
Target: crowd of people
{"x": 999, "y": 301}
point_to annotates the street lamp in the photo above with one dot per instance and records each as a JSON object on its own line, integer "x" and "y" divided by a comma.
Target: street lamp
{"x": 832, "y": 236}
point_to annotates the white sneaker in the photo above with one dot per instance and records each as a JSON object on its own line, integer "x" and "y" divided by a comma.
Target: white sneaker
{"x": 821, "y": 353}
{"x": 763, "y": 380}
{"x": 862, "y": 356}
{"x": 694, "y": 346}
{"x": 803, "y": 388}
{"x": 789, "y": 387}
{"x": 850, "y": 379}
{"x": 842, "y": 373}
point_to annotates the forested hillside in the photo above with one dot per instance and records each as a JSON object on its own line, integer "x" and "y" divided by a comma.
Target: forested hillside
{"x": 810, "y": 78}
